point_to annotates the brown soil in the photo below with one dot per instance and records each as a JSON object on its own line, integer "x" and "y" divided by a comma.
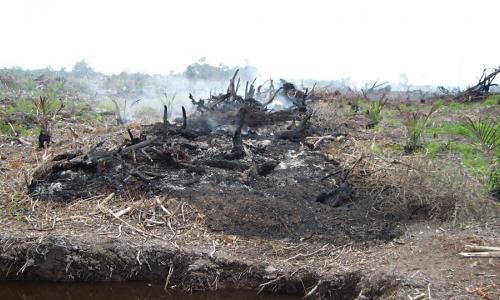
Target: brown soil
{"x": 423, "y": 258}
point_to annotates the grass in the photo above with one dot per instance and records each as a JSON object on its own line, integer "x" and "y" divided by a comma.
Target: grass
{"x": 491, "y": 101}
{"x": 470, "y": 155}
{"x": 105, "y": 105}
{"x": 20, "y": 105}
{"x": 447, "y": 128}
{"x": 475, "y": 152}
{"x": 20, "y": 129}
{"x": 5, "y": 129}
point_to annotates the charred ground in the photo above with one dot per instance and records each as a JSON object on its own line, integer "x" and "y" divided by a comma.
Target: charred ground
{"x": 304, "y": 200}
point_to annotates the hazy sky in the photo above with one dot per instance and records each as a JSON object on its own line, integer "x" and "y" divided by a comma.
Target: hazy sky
{"x": 435, "y": 42}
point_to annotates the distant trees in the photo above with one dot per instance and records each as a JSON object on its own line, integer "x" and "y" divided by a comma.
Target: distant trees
{"x": 83, "y": 69}
{"x": 201, "y": 70}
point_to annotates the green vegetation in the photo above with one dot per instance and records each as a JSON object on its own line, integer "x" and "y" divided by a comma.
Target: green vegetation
{"x": 470, "y": 155}
{"x": 20, "y": 105}
{"x": 374, "y": 111}
{"x": 486, "y": 132}
{"x": 447, "y": 128}
{"x": 454, "y": 106}
{"x": 415, "y": 123}
{"x": 485, "y": 135}
{"x": 491, "y": 101}
{"x": 494, "y": 180}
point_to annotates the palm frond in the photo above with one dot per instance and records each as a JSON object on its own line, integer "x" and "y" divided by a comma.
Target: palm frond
{"x": 486, "y": 131}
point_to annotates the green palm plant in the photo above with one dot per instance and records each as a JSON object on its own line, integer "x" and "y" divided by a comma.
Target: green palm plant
{"x": 374, "y": 112}
{"x": 415, "y": 123}
{"x": 494, "y": 180}
{"x": 485, "y": 131}
{"x": 46, "y": 117}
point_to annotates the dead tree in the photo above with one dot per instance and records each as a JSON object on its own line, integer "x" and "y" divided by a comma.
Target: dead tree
{"x": 366, "y": 91}
{"x": 481, "y": 90}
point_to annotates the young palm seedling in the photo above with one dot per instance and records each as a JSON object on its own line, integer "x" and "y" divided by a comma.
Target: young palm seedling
{"x": 167, "y": 106}
{"x": 487, "y": 133}
{"x": 415, "y": 123}
{"x": 46, "y": 117}
{"x": 123, "y": 110}
{"x": 374, "y": 112}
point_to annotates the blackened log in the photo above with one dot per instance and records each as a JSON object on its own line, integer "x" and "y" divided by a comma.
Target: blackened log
{"x": 184, "y": 118}
{"x": 225, "y": 164}
{"x": 238, "y": 150}
{"x": 266, "y": 168}
{"x": 337, "y": 196}
{"x": 133, "y": 140}
{"x": 166, "y": 123}
{"x": 44, "y": 139}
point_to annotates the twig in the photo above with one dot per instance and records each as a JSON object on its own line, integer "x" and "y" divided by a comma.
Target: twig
{"x": 429, "y": 291}
{"x": 311, "y": 292}
{"x": 29, "y": 262}
{"x": 104, "y": 201}
{"x": 135, "y": 228}
{"x": 475, "y": 248}
{"x": 171, "y": 229}
{"x": 143, "y": 151}
{"x": 169, "y": 275}
{"x": 138, "y": 257}
{"x": 480, "y": 254}
{"x": 158, "y": 201}
{"x": 307, "y": 254}
{"x": 123, "y": 211}
{"x": 263, "y": 286}
{"x": 213, "y": 249}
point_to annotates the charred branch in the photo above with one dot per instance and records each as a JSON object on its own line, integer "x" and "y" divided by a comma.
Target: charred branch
{"x": 238, "y": 150}
{"x": 184, "y": 118}
{"x": 166, "y": 123}
{"x": 225, "y": 164}
{"x": 133, "y": 140}
{"x": 337, "y": 196}
{"x": 296, "y": 134}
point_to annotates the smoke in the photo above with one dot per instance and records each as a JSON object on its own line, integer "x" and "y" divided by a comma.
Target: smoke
{"x": 142, "y": 97}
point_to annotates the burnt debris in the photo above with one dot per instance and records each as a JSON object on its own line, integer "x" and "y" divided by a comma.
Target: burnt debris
{"x": 230, "y": 139}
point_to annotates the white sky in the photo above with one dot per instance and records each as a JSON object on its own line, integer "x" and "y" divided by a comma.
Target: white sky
{"x": 433, "y": 42}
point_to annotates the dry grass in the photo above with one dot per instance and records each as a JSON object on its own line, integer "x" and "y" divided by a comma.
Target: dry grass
{"x": 394, "y": 185}
{"x": 422, "y": 189}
